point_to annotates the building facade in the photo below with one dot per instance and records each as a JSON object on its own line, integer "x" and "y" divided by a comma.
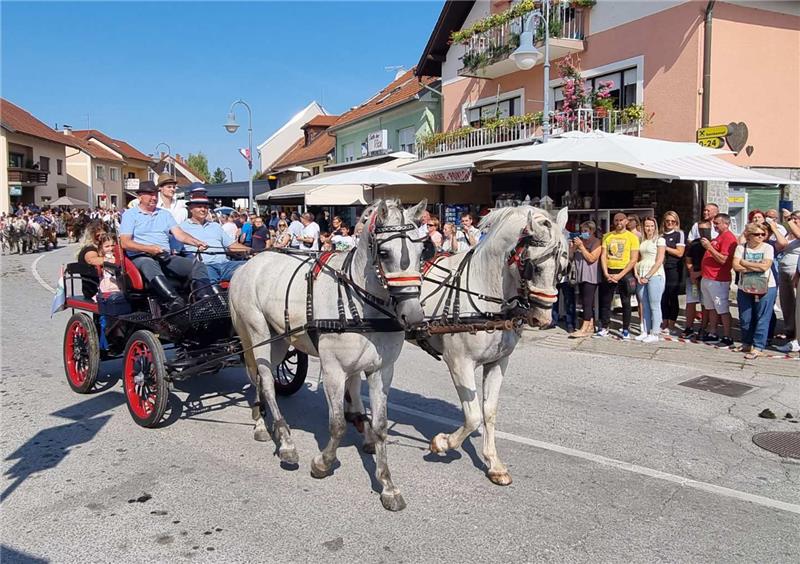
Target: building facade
{"x": 277, "y": 144}
{"x": 309, "y": 155}
{"x": 390, "y": 121}
{"x": 673, "y": 66}
{"x": 36, "y": 171}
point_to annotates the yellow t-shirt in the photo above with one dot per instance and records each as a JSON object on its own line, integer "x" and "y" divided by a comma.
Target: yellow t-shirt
{"x": 618, "y": 248}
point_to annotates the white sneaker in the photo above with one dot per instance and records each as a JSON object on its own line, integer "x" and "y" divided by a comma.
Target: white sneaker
{"x": 650, "y": 339}
{"x": 600, "y": 333}
{"x": 640, "y": 337}
{"x": 790, "y": 347}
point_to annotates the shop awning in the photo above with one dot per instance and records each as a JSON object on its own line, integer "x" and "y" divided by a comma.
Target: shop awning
{"x": 698, "y": 168}
{"x": 449, "y": 168}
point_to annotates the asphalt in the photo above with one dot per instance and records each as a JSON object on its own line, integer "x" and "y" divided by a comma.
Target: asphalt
{"x": 613, "y": 460}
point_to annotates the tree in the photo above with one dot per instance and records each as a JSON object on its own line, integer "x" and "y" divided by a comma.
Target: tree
{"x": 199, "y": 163}
{"x": 219, "y": 177}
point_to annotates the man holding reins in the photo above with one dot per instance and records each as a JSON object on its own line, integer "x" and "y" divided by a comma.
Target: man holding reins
{"x": 144, "y": 234}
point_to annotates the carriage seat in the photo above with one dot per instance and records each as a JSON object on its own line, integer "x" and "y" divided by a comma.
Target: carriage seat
{"x": 133, "y": 281}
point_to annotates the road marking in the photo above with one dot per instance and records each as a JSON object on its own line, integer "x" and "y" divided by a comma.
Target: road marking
{"x": 38, "y": 278}
{"x": 628, "y": 467}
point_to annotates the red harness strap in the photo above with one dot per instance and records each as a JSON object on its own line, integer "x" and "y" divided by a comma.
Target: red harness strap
{"x": 428, "y": 264}
{"x": 321, "y": 262}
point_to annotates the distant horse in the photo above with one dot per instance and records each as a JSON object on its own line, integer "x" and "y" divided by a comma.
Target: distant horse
{"x": 365, "y": 298}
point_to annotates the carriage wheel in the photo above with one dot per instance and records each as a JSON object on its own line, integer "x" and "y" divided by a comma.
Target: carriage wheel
{"x": 290, "y": 374}
{"x": 144, "y": 378}
{"x": 81, "y": 353}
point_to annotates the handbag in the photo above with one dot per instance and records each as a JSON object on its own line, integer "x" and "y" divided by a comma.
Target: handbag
{"x": 754, "y": 283}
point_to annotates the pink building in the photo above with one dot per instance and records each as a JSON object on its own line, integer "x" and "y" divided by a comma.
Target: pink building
{"x": 655, "y": 54}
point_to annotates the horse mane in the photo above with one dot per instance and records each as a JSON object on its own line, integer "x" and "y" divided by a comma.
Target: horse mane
{"x": 501, "y": 227}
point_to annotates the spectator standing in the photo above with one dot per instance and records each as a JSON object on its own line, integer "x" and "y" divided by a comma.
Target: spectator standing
{"x": 619, "y": 254}
{"x": 468, "y": 234}
{"x": 273, "y": 220}
{"x": 246, "y": 231}
{"x": 789, "y": 258}
{"x": 650, "y": 279}
{"x": 261, "y": 240}
{"x": 309, "y": 236}
{"x": 635, "y": 226}
{"x": 716, "y": 283}
{"x": 296, "y": 230}
{"x": 693, "y": 260}
{"x": 585, "y": 252}
{"x": 673, "y": 264}
{"x": 757, "y": 289}
{"x": 229, "y": 226}
{"x": 710, "y": 211}
{"x": 343, "y": 241}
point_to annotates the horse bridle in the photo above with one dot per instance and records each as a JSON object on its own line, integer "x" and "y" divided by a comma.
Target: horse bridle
{"x": 401, "y": 278}
{"x": 529, "y": 267}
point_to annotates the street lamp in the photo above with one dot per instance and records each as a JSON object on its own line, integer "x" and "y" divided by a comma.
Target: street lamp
{"x": 231, "y": 126}
{"x": 169, "y": 152}
{"x": 527, "y": 56}
{"x": 230, "y": 177}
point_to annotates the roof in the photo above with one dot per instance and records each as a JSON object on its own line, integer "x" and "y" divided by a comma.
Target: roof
{"x": 16, "y": 119}
{"x": 93, "y": 149}
{"x": 118, "y": 145}
{"x": 182, "y": 179}
{"x": 451, "y": 19}
{"x": 400, "y": 90}
{"x": 321, "y": 121}
{"x": 313, "y": 106}
{"x": 300, "y": 153}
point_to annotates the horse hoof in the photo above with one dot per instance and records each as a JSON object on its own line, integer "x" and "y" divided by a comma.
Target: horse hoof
{"x": 368, "y": 448}
{"x": 439, "y": 444}
{"x": 262, "y": 436}
{"x": 288, "y": 456}
{"x": 500, "y": 478}
{"x": 318, "y": 471}
{"x": 393, "y": 502}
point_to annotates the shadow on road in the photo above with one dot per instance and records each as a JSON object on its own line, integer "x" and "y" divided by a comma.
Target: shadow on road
{"x": 9, "y": 555}
{"x": 47, "y": 448}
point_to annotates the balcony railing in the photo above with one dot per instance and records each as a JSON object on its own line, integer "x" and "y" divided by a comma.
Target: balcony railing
{"x": 30, "y": 176}
{"x": 485, "y": 50}
{"x": 483, "y": 138}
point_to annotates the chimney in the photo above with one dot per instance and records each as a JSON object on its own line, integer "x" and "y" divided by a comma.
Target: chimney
{"x": 400, "y": 72}
{"x": 67, "y": 129}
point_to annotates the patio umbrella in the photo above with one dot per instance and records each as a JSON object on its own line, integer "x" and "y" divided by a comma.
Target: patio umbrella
{"x": 371, "y": 177}
{"x": 67, "y": 201}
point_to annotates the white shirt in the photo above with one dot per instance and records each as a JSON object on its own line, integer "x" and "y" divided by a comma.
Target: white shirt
{"x": 230, "y": 228}
{"x": 310, "y": 230}
{"x": 694, "y": 233}
{"x": 177, "y": 209}
{"x": 463, "y": 242}
{"x": 295, "y": 228}
{"x": 342, "y": 243}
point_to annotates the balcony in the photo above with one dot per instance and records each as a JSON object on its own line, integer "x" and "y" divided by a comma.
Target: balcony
{"x": 520, "y": 130}
{"x": 27, "y": 176}
{"x": 487, "y": 54}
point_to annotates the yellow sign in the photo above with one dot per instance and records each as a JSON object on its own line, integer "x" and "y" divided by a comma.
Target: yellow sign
{"x": 712, "y": 132}
{"x": 712, "y": 143}
{"x": 735, "y": 199}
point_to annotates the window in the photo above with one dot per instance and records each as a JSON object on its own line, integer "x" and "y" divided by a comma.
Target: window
{"x": 100, "y": 172}
{"x": 406, "y": 139}
{"x": 131, "y": 175}
{"x": 44, "y": 164}
{"x": 62, "y": 192}
{"x": 477, "y": 115}
{"x": 113, "y": 198}
{"x": 347, "y": 151}
{"x": 59, "y": 166}
{"x": 623, "y": 91}
{"x": 16, "y": 160}
{"x": 113, "y": 174}
{"x": 314, "y": 170}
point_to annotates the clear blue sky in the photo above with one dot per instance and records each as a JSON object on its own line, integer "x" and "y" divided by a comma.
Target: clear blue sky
{"x": 148, "y": 72}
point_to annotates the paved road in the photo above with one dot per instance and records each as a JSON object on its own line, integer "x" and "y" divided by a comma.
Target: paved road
{"x": 612, "y": 461}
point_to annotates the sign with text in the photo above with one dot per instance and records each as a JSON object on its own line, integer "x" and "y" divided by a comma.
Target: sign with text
{"x": 712, "y": 142}
{"x": 378, "y": 141}
{"x": 453, "y": 176}
{"x": 712, "y": 132}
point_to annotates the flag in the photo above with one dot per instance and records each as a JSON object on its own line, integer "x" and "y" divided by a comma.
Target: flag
{"x": 60, "y": 299}
{"x": 245, "y": 153}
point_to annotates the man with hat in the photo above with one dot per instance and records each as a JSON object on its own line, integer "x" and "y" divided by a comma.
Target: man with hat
{"x": 144, "y": 234}
{"x": 220, "y": 267}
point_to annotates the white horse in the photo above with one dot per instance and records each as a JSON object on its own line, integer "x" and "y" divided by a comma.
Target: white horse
{"x": 269, "y": 296}
{"x": 521, "y": 255}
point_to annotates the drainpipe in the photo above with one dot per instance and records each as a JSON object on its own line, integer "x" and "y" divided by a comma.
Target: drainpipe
{"x": 707, "y": 63}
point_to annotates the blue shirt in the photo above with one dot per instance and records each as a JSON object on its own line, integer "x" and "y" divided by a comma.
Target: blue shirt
{"x": 247, "y": 233}
{"x": 148, "y": 228}
{"x": 213, "y": 235}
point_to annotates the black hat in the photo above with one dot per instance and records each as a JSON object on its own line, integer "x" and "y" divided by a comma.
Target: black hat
{"x": 147, "y": 186}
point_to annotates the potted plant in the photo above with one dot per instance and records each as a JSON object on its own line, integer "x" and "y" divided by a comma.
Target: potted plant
{"x": 601, "y": 99}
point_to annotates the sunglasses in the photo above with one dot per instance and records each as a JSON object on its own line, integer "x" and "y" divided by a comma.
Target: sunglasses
{"x": 670, "y": 221}
{"x": 758, "y": 234}
{"x": 431, "y": 225}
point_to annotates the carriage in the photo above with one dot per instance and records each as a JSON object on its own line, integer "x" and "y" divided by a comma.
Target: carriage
{"x": 158, "y": 348}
